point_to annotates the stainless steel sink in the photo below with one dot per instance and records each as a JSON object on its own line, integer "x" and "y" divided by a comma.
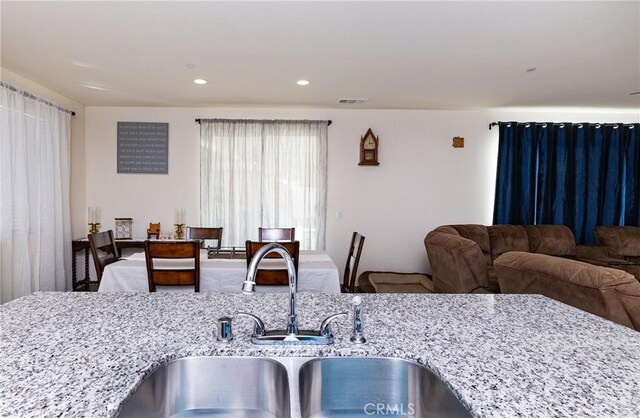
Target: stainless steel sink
{"x": 213, "y": 387}
{"x": 292, "y": 387}
{"x": 365, "y": 387}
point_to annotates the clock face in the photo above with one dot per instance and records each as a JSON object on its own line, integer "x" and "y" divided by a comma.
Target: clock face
{"x": 369, "y": 143}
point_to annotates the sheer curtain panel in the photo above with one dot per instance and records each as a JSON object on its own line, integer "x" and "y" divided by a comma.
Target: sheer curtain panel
{"x": 264, "y": 173}
{"x": 35, "y": 232}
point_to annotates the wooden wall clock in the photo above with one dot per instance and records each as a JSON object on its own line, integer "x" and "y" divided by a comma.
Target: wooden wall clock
{"x": 369, "y": 149}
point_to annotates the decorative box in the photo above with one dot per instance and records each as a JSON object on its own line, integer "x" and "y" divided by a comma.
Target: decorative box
{"x": 124, "y": 228}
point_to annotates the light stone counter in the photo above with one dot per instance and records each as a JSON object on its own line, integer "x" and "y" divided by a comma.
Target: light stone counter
{"x": 82, "y": 354}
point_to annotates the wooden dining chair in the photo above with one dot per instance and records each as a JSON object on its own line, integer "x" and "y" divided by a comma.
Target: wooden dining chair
{"x": 103, "y": 250}
{"x": 353, "y": 259}
{"x": 276, "y": 234}
{"x": 174, "y": 251}
{"x": 203, "y": 233}
{"x": 153, "y": 231}
{"x": 267, "y": 276}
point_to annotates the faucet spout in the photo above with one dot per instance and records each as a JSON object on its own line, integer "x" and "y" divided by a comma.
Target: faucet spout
{"x": 249, "y": 285}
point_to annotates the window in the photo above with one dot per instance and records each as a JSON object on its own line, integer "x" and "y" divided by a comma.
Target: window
{"x": 264, "y": 173}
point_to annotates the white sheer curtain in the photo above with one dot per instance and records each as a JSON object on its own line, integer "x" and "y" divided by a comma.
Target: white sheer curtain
{"x": 35, "y": 232}
{"x": 264, "y": 173}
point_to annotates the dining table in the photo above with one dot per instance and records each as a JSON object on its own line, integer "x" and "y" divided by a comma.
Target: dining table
{"x": 224, "y": 272}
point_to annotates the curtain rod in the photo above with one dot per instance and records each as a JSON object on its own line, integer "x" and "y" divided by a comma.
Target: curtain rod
{"x": 628, "y": 125}
{"x": 36, "y": 98}
{"x": 329, "y": 122}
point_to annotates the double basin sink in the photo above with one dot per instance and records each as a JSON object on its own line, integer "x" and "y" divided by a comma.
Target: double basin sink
{"x": 292, "y": 387}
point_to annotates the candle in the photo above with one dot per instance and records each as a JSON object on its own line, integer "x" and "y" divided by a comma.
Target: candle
{"x": 179, "y": 216}
{"x": 94, "y": 215}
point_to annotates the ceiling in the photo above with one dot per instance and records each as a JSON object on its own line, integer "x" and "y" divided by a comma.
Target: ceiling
{"x": 405, "y": 55}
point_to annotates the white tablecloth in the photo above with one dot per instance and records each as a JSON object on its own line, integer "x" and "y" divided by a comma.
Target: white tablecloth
{"x": 316, "y": 273}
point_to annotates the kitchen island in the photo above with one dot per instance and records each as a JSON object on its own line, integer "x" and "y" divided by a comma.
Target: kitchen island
{"x": 83, "y": 354}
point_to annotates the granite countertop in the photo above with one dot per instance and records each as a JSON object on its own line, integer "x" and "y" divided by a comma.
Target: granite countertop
{"x": 82, "y": 354}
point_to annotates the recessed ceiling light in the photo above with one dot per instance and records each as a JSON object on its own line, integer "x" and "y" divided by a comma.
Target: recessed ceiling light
{"x": 302, "y": 82}
{"x": 83, "y": 64}
{"x": 200, "y": 81}
{"x": 90, "y": 86}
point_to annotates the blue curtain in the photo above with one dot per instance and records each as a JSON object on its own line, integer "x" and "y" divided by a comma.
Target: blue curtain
{"x": 516, "y": 177}
{"x": 584, "y": 175}
{"x": 580, "y": 178}
{"x": 632, "y": 184}
{"x": 554, "y": 154}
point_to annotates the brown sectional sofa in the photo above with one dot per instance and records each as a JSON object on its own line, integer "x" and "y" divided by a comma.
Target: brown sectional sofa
{"x": 462, "y": 256}
{"x": 541, "y": 259}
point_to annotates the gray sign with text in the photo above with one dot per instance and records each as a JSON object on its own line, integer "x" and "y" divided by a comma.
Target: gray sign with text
{"x": 143, "y": 147}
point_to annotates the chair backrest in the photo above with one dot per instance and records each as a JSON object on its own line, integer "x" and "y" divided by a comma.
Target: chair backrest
{"x": 153, "y": 231}
{"x": 103, "y": 250}
{"x": 172, "y": 275}
{"x": 353, "y": 259}
{"x": 202, "y": 233}
{"x": 276, "y": 234}
{"x": 270, "y": 276}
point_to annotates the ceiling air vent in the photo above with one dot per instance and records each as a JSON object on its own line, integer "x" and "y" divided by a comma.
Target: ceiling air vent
{"x": 349, "y": 100}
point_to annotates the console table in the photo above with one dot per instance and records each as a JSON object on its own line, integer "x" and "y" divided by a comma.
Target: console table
{"x": 83, "y": 244}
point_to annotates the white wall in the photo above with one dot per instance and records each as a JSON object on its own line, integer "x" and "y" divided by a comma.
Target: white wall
{"x": 422, "y": 182}
{"x": 77, "y": 189}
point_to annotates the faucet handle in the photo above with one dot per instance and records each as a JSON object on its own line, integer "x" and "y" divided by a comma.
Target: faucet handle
{"x": 325, "y": 327}
{"x": 258, "y": 325}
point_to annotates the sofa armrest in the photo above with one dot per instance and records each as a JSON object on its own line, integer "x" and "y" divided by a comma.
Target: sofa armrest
{"x": 457, "y": 264}
{"x": 606, "y": 292}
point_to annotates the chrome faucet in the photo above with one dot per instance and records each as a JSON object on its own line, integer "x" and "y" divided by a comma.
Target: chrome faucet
{"x": 249, "y": 286}
{"x": 292, "y": 335}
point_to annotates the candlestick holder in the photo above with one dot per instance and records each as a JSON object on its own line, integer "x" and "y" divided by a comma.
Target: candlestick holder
{"x": 95, "y": 227}
{"x": 179, "y": 231}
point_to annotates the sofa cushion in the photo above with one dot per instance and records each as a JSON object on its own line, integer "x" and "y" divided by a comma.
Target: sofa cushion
{"x": 478, "y": 234}
{"x": 505, "y": 238}
{"x": 555, "y": 240}
{"x": 447, "y": 230}
{"x": 621, "y": 241}
{"x": 457, "y": 263}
